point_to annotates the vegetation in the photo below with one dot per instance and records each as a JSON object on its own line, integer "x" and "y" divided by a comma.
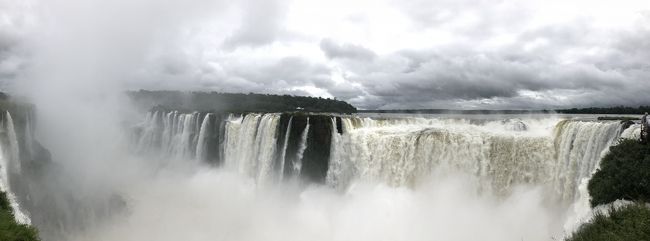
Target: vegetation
{"x": 592, "y": 110}
{"x": 607, "y": 110}
{"x": 621, "y": 118}
{"x": 464, "y": 112}
{"x": 628, "y": 223}
{"x": 236, "y": 103}
{"x": 9, "y": 229}
{"x": 624, "y": 174}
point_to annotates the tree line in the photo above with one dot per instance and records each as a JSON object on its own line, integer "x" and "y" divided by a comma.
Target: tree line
{"x": 236, "y": 102}
{"x": 607, "y": 110}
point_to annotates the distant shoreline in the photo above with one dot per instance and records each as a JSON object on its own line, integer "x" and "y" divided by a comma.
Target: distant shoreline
{"x": 450, "y": 111}
{"x": 619, "y": 110}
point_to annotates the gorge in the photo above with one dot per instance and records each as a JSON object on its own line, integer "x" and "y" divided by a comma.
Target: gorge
{"x": 496, "y": 170}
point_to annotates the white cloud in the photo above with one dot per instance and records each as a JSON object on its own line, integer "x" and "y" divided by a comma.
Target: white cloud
{"x": 375, "y": 54}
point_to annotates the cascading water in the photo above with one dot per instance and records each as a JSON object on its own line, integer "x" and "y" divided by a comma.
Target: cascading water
{"x": 9, "y": 165}
{"x": 266, "y": 144}
{"x": 337, "y": 171}
{"x": 283, "y": 158}
{"x": 13, "y": 144}
{"x": 250, "y": 144}
{"x": 201, "y": 145}
{"x": 559, "y": 155}
{"x": 544, "y": 160}
{"x": 297, "y": 164}
{"x": 632, "y": 132}
{"x": 171, "y": 134}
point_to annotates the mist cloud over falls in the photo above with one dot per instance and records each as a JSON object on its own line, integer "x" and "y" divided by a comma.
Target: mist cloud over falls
{"x": 221, "y": 205}
{"x": 386, "y": 54}
{"x": 73, "y": 58}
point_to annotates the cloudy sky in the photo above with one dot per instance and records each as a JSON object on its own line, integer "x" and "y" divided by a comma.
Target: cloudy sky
{"x": 495, "y": 54}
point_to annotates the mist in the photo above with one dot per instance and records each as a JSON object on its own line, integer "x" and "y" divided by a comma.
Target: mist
{"x": 221, "y": 205}
{"x": 83, "y": 55}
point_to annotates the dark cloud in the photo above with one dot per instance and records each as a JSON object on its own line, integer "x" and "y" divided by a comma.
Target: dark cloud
{"x": 480, "y": 76}
{"x": 334, "y": 50}
{"x": 447, "y": 54}
{"x": 557, "y": 65}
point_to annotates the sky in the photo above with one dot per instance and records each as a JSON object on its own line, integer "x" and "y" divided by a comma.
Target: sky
{"x": 374, "y": 54}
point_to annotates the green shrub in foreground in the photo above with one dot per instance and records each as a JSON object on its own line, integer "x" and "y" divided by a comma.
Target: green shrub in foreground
{"x": 9, "y": 229}
{"x": 624, "y": 174}
{"x": 629, "y": 223}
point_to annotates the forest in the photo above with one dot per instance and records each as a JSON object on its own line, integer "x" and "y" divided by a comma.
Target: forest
{"x": 236, "y": 102}
{"x": 607, "y": 110}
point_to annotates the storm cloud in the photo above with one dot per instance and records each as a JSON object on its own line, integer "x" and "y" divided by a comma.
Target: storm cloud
{"x": 345, "y": 51}
{"x": 374, "y": 54}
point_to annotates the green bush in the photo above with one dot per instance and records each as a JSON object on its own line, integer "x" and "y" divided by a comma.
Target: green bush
{"x": 624, "y": 174}
{"x": 629, "y": 223}
{"x": 9, "y": 229}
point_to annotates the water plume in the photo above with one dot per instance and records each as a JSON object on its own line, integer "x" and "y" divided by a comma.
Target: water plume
{"x": 224, "y": 205}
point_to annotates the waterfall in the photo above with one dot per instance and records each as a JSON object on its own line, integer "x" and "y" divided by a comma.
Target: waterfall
{"x": 283, "y": 158}
{"x": 201, "y": 141}
{"x": 187, "y": 132}
{"x": 239, "y": 149}
{"x": 14, "y": 165}
{"x": 250, "y": 145}
{"x": 10, "y": 164}
{"x": 558, "y": 155}
{"x": 632, "y": 132}
{"x": 579, "y": 147}
{"x": 266, "y": 145}
{"x": 297, "y": 165}
{"x": 172, "y": 134}
{"x": 337, "y": 168}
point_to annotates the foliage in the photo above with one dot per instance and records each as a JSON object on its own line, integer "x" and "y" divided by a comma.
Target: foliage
{"x": 628, "y": 223}
{"x": 237, "y": 103}
{"x": 607, "y": 110}
{"x": 9, "y": 229}
{"x": 621, "y": 118}
{"x": 460, "y": 112}
{"x": 624, "y": 173}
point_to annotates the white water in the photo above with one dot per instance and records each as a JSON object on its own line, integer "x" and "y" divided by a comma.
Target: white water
{"x": 284, "y": 147}
{"x": 222, "y": 205}
{"x": 201, "y": 145}
{"x": 557, "y": 156}
{"x": 251, "y": 144}
{"x": 633, "y": 132}
{"x": 172, "y": 134}
{"x": 13, "y": 144}
{"x": 266, "y": 143}
{"x": 187, "y": 131}
{"x": 521, "y": 178}
{"x": 337, "y": 167}
{"x": 297, "y": 165}
{"x": 240, "y": 150}
{"x": 10, "y": 164}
